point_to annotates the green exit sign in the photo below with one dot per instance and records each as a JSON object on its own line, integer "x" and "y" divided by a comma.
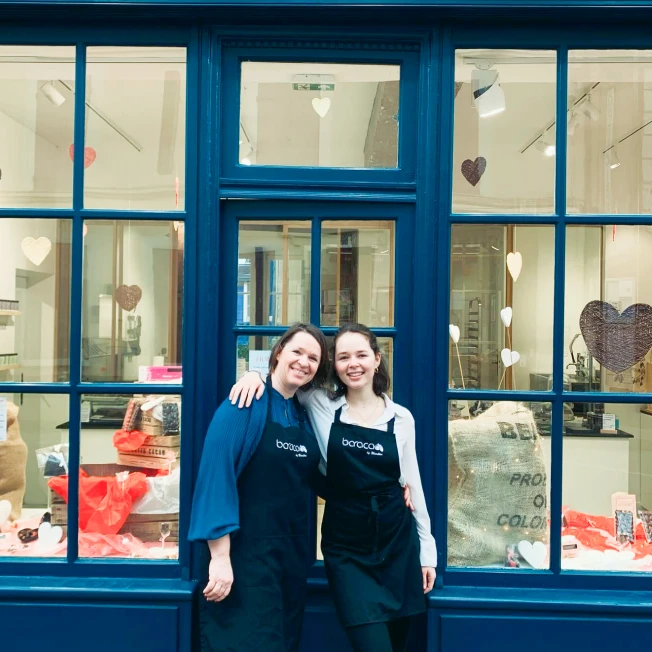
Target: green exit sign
{"x": 313, "y": 87}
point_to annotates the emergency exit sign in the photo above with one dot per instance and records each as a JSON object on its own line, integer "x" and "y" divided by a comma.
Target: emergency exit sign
{"x": 313, "y": 87}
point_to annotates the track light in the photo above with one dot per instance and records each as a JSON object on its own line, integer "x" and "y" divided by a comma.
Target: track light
{"x": 53, "y": 95}
{"x": 488, "y": 94}
{"x": 545, "y": 147}
{"x": 614, "y": 162}
{"x": 573, "y": 123}
{"x": 589, "y": 109}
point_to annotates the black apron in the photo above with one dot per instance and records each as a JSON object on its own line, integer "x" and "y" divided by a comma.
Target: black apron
{"x": 369, "y": 537}
{"x": 269, "y": 554}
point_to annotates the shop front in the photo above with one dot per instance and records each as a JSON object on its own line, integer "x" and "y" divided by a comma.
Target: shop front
{"x": 179, "y": 182}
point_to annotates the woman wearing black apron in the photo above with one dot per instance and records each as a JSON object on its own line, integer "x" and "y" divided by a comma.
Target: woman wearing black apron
{"x": 251, "y": 506}
{"x": 379, "y": 557}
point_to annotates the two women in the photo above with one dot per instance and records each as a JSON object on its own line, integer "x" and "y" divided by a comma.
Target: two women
{"x": 380, "y": 558}
{"x": 251, "y": 506}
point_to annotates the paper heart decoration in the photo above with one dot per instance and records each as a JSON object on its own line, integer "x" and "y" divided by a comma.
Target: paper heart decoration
{"x": 534, "y": 553}
{"x": 506, "y": 316}
{"x": 36, "y": 250}
{"x": 473, "y": 170}
{"x": 321, "y": 105}
{"x": 454, "y": 332}
{"x": 5, "y": 510}
{"x": 509, "y": 358}
{"x": 128, "y": 296}
{"x": 515, "y": 264}
{"x": 617, "y": 340}
{"x": 89, "y": 155}
{"x": 48, "y": 536}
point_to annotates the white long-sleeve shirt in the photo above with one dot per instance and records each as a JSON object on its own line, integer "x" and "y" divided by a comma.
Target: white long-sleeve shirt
{"x": 321, "y": 411}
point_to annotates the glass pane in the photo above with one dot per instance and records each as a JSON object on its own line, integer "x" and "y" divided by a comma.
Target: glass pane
{"x": 608, "y": 314}
{"x": 37, "y": 110}
{"x": 35, "y": 300}
{"x": 253, "y": 354}
{"x": 129, "y": 488}
{"x": 273, "y": 273}
{"x": 498, "y": 489}
{"x": 135, "y": 128}
{"x": 357, "y": 273}
{"x": 504, "y": 134}
{"x": 607, "y": 490}
{"x": 319, "y": 114}
{"x": 132, "y": 301}
{"x": 609, "y": 132}
{"x": 501, "y": 311}
{"x": 33, "y": 459}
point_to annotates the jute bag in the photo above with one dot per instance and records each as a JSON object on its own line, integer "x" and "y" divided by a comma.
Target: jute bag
{"x": 497, "y": 485}
{"x": 13, "y": 462}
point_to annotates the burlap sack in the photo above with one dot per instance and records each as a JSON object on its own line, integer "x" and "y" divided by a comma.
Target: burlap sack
{"x": 497, "y": 485}
{"x": 13, "y": 461}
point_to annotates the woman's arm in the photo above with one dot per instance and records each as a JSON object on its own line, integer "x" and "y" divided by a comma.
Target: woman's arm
{"x": 251, "y": 384}
{"x": 410, "y": 471}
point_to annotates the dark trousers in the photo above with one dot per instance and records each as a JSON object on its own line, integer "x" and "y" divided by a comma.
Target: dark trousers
{"x": 391, "y": 636}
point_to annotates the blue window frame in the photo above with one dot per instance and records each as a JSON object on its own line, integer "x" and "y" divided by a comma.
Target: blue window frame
{"x": 72, "y": 564}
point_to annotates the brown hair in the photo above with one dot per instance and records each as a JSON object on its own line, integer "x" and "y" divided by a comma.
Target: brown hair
{"x": 381, "y": 377}
{"x": 322, "y": 370}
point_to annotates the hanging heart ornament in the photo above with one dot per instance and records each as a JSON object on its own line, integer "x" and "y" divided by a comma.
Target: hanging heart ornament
{"x": 509, "y": 358}
{"x": 321, "y": 106}
{"x": 48, "y": 536}
{"x": 617, "y": 340}
{"x": 506, "y": 316}
{"x": 472, "y": 171}
{"x": 454, "y": 332}
{"x": 128, "y": 296}
{"x": 534, "y": 553}
{"x": 515, "y": 264}
{"x": 89, "y": 155}
{"x": 36, "y": 250}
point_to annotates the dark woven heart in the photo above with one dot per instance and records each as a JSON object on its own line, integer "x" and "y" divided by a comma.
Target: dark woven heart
{"x": 127, "y": 297}
{"x": 617, "y": 340}
{"x": 473, "y": 170}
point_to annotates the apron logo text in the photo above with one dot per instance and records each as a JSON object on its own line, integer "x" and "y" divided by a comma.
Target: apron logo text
{"x": 301, "y": 451}
{"x": 372, "y": 449}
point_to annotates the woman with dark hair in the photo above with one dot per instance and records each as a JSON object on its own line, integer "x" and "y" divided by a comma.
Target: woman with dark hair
{"x": 251, "y": 505}
{"x": 380, "y": 558}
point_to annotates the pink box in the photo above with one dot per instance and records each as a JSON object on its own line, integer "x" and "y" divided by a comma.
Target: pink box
{"x": 156, "y": 374}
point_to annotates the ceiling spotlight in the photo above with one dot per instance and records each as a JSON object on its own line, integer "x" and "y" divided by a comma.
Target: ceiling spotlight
{"x": 53, "y": 95}
{"x": 488, "y": 94}
{"x": 614, "y": 162}
{"x": 545, "y": 147}
{"x": 573, "y": 123}
{"x": 589, "y": 109}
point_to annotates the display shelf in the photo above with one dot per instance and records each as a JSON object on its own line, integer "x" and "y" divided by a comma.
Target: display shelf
{"x": 9, "y": 313}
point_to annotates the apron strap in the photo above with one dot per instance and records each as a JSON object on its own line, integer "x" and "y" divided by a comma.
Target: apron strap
{"x": 390, "y": 426}
{"x": 268, "y": 393}
{"x": 338, "y": 414}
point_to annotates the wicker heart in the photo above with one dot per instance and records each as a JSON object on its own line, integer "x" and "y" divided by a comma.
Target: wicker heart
{"x": 473, "y": 170}
{"x": 128, "y": 296}
{"x": 617, "y": 340}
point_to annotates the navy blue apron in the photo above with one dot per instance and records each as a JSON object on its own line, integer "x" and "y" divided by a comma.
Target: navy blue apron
{"x": 369, "y": 537}
{"x": 269, "y": 554}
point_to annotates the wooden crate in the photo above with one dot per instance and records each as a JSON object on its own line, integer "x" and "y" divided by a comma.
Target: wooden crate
{"x": 132, "y": 460}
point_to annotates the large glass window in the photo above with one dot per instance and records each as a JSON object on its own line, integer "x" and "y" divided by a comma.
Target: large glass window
{"x": 319, "y": 114}
{"x": 134, "y": 153}
{"x": 504, "y": 134}
{"x": 37, "y": 110}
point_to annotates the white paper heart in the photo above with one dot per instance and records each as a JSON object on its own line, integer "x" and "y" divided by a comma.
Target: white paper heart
{"x": 5, "y": 510}
{"x": 48, "y": 536}
{"x": 321, "y": 105}
{"x": 36, "y": 250}
{"x": 454, "y": 332}
{"x": 534, "y": 553}
{"x": 509, "y": 357}
{"x": 506, "y": 316}
{"x": 515, "y": 264}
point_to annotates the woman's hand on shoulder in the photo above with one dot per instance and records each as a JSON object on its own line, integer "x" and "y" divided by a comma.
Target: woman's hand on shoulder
{"x": 429, "y": 574}
{"x": 250, "y": 385}
{"x": 407, "y": 497}
{"x": 220, "y": 579}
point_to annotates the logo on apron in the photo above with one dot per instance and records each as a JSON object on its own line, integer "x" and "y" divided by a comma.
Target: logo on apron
{"x": 372, "y": 449}
{"x": 299, "y": 450}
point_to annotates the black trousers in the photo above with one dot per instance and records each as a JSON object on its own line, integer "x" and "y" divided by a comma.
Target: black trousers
{"x": 391, "y": 636}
